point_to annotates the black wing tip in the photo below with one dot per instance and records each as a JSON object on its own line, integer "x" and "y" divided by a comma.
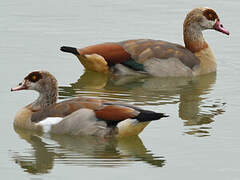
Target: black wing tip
{"x": 150, "y": 116}
{"x": 157, "y": 116}
{"x": 164, "y": 115}
{"x": 68, "y": 49}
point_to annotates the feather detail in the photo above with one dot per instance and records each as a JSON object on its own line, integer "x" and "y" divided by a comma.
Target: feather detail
{"x": 111, "y": 52}
{"x": 115, "y": 113}
{"x": 47, "y": 123}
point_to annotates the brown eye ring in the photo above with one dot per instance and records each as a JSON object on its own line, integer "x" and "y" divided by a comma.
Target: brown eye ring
{"x": 33, "y": 76}
{"x": 210, "y": 14}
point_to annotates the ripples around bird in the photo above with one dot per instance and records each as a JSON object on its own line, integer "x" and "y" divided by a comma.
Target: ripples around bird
{"x": 190, "y": 95}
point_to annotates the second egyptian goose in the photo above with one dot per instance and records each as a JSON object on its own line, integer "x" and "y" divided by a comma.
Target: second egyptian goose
{"x": 156, "y": 57}
{"x": 78, "y": 116}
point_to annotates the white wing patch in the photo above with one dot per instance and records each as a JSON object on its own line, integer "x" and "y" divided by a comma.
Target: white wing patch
{"x": 48, "y": 122}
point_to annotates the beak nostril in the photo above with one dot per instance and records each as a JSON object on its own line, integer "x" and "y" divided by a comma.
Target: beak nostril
{"x": 221, "y": 25}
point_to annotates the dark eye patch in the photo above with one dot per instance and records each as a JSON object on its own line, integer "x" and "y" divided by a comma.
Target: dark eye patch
{"x": 33, "y": 76}
{"x": 210, "y": 14}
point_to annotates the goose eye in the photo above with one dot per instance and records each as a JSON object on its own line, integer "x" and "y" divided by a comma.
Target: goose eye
{"x": 34, "y": 76}
{"x": 20, "y": 84}
{"x": 210, "y": 14}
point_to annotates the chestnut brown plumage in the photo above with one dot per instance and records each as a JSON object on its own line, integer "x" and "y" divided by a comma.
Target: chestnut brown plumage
{"x": 157, "y": 57}
{"x": 80, "y": 115}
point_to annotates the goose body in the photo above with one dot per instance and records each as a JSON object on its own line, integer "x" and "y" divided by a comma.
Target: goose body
{"x": 157, "y": 57}
{"x": 78, "y": 116}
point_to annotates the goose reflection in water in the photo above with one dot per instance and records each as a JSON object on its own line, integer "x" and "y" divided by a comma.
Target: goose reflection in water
{"x": 81, "y": 151}
{"x": 191, "y": 95}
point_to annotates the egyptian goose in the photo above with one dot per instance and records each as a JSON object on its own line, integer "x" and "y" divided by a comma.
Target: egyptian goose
{"x": 78, "y": 116}
{"x": 156, "y": 57}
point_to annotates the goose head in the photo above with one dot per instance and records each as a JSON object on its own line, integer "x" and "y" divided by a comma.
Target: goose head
{"x": 44, "y": 83}
{"x": 202, "y": 19}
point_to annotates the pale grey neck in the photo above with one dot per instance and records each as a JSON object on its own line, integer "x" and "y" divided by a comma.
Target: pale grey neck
{"x": 46, "y": 98}
{"x": 193, "y": 37}
{"x": 193, "y": 34}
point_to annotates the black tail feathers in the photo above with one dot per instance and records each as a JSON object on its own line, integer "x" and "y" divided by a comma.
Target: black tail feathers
{"x": 145, "y": 115}
{"x": 69, "y": 50}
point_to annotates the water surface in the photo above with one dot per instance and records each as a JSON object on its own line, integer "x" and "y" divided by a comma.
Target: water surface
{"x": 199, "y": 140}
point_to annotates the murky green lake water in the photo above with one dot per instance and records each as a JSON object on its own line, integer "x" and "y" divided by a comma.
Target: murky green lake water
{"x": 200, "y": 139}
